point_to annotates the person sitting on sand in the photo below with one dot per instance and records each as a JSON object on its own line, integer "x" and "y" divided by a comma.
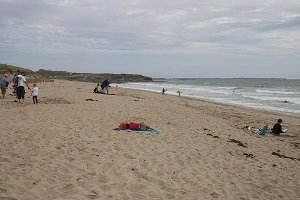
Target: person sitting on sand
{"x": 277, "y": 128}
{"x": 96, "y": 90}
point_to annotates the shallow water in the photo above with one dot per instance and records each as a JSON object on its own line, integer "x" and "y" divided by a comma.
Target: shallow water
{"x": 279, "y": 95}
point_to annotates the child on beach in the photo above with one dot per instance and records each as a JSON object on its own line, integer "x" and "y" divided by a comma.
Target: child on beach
{"x": 35, "y": 93}
{"x": 277, "y": 128}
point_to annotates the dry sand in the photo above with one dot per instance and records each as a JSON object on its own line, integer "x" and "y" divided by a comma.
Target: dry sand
{"x": 65, "y": 148}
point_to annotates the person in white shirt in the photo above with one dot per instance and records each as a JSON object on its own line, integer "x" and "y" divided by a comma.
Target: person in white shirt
{"x": 35, "y": 94}
{"x": 20, "y": 87}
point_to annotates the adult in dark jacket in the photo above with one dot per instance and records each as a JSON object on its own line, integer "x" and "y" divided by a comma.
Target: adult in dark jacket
{"x": 277, "y": 128}
{"x": 105, "y": 85}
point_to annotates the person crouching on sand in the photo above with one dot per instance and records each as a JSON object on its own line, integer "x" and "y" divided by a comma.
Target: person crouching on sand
{"x": 35, "y": 93}
{"x": 104, "y": 85}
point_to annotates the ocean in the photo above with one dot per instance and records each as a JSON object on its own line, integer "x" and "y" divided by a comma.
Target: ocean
{"x": 271, "y": 94}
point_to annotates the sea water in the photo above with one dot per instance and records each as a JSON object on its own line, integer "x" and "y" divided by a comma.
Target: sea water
{"x": 279, "y": 95}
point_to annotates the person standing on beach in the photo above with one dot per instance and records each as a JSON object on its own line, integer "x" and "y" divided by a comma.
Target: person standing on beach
{"x": 163, "y": 91}
{"x": 20, "y": 88}
{"x": 35, "y": 93}
{"x": 3, "y": 85}
{"x": 277, "y": 128}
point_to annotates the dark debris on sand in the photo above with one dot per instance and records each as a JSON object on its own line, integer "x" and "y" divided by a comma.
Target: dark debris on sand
{"x": 238, "y": 142}
{"x": 283, "y": 156}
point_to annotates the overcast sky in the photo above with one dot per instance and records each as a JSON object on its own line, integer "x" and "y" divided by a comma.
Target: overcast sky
{"x": 158, "y": 38}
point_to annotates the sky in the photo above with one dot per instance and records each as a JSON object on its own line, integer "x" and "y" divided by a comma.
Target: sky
{"x": 157, "y": 38}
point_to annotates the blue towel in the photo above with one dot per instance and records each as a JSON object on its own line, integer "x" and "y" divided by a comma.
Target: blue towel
{"x": 144, "y": 132}
{"x": 265, "y": 130}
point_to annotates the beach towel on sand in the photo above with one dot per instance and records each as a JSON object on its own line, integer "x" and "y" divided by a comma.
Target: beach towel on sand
{"x": 148, "y": 132}
{"x": 259, "y": 131}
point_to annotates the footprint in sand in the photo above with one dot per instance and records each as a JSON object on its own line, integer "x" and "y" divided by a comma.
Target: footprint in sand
{"x": 7, "y": 198}
{"x": 94, "y": 195}
{"x": 103, "y": 178}
{"x": 214, "y": 195}
{"x": 170, "y": 196}
{"x": 3, "y": 190}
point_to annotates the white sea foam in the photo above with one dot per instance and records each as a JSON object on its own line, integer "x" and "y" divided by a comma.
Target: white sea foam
{"x": 270, "y": 96}
{"x": 273, "y": 98}
{"x": 284, "y": 92}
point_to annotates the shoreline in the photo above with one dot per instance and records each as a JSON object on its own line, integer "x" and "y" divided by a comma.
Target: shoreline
{"x": 288, "y": 114}
{"x": 66, "y": 147}
{"x": 280, "y": 96}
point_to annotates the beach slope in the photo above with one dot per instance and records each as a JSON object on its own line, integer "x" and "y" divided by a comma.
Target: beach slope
{"x": 66, "y": 147}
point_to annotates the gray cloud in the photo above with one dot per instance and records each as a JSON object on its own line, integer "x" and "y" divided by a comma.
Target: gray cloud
{"x": 176, "y": 29}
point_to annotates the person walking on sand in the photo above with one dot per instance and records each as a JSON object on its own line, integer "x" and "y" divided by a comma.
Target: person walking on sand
{"x": 20, "y": 88}
{"x": 3, "y": 85}
{"x": 163, "y": 91}
{"x": 277, "y": 128}
{"x": 35, "y": 94}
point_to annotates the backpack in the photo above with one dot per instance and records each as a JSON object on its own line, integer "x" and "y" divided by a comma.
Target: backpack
{"x": 6, "y": 83}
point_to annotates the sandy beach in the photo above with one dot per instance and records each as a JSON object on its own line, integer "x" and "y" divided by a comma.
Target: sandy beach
{"x": 66, "y": 148}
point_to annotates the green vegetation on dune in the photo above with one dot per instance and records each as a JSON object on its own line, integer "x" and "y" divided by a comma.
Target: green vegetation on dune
{"x": 10, "y": 69}
{"x": 92, "y": 77}
{"x": 43, "y": 74}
